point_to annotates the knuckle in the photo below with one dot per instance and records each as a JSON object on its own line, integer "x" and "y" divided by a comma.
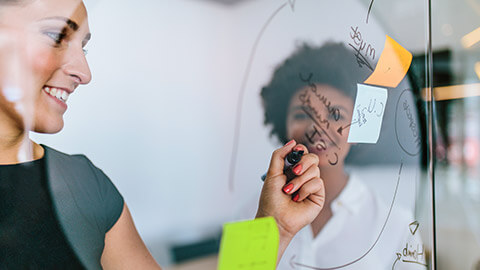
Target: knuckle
{"x": 308, "y": 158}
{"x": 315, "y": 159}
{"x": 320, "y": 183}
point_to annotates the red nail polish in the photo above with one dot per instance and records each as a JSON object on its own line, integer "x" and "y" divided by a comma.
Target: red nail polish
{"x": 295, "y": 198}
{"x": 288, "y": 188}
{"x": 297, "y": 169}
{"x": 297, "y": 148}
{"x": 290, "y": 142}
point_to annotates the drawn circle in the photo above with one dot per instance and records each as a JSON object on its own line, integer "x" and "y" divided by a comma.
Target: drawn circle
{"x": 411, "y": 137}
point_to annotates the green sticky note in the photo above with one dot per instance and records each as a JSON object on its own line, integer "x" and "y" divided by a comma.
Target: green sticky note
{"x": 251, "y": 244}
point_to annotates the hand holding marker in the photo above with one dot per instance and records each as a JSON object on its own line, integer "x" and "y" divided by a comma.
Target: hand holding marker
{"x": 306, "y": 188}
{"x": 289, "y": 170}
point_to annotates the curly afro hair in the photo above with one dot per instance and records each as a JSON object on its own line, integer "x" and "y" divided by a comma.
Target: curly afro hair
{"x": 332, "y": 64}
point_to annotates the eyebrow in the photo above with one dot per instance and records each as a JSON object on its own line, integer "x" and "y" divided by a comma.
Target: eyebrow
{"x": 299, "y": 107}
{"x": 73, "y": 25}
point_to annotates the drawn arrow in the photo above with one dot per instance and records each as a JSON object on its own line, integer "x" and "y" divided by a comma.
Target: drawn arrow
{"x": 340, "y": 129}
{"x": 413, "y": 227}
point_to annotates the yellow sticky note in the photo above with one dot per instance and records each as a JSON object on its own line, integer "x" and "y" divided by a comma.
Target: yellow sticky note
{"x": 392, "y": 66}
{"x": 249, "y": 245}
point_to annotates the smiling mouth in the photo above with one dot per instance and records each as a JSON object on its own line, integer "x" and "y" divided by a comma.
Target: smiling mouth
{"x": 57, "y": 93}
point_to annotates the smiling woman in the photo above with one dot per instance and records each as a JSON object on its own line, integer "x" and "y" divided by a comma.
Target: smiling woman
{"x": 50, "y": 202}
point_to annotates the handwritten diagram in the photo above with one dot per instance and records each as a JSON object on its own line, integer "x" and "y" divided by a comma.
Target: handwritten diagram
{"x": 414, "y": 250}
{"x": 363, "y": 53}
{"x": 297, "y": 265}
{"x": 408, "y": 137}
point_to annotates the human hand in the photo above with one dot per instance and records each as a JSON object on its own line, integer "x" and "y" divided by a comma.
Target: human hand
{"x": 292, "y": 214}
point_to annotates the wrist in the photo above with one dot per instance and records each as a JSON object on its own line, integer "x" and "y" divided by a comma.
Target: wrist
{"x": 284, "y": 234}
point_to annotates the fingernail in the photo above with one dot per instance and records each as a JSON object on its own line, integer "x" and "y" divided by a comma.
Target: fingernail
{"x": 290, "y": 142}
{"x": 295, "y": 198}
{"x": 297, "y": 169}
{"x": 288, "y": 188}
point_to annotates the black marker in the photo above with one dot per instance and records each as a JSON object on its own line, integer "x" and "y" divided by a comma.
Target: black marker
{"x": 290, "y": 160}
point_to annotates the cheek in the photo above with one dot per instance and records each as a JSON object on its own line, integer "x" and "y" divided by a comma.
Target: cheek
{"x": 296, "y": 130}
{"x": 43, "y": 64}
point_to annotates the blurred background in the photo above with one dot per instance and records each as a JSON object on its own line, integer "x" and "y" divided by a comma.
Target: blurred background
{"x": 170, "y": 79}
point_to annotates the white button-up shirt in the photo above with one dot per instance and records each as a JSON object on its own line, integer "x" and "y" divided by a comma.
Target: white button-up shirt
{"x": 350, "y": 236}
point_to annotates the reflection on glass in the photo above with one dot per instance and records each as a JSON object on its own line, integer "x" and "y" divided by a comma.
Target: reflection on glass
{"x": 457, "y": 146}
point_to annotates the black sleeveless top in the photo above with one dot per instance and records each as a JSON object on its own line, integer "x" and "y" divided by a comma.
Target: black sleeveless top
{"x": 30, "y": 234}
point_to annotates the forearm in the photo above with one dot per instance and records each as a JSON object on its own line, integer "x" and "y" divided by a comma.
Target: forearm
{"x": 283, "y": 244}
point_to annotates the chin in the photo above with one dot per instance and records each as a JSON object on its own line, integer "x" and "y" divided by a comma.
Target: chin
{"x": 49, "y": 127}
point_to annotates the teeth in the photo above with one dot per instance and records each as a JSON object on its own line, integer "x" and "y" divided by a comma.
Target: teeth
{"x": 321, "y": 146}
{"x": 57, "y": 93}
{"x": 65, "y": 96}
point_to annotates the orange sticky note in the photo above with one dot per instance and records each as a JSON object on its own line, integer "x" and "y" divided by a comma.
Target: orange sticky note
{"x": 392, "y": 66}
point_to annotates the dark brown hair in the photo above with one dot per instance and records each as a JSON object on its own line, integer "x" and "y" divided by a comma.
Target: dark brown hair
{"x": 332, "y": 64}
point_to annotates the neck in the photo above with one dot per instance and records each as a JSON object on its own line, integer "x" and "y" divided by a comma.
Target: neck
{"x": 15, "y": 144}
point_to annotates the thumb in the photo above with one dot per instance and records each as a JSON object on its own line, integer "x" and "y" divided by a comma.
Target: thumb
{"x": 277, "y": 161}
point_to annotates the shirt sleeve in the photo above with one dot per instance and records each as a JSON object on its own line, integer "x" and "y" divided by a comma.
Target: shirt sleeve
{"x": 110, "y": 202}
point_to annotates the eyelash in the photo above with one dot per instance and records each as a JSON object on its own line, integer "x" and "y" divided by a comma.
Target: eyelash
{"x": 56, "y": 37}
{"x": 59, "y": 37}
{"x": 300, "y": 116}
{"x": 331, "y": 116}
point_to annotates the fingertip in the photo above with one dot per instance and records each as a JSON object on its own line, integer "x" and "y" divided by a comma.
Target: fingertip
{"x": 297, "y": 169}
{"x": 287, "y": 148}
{"x": 288, "y": 188}
{"x": 291, "y": 142}
{"x": 301, "y": 147}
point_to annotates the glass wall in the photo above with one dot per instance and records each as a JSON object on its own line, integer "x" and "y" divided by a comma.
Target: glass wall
{"x": 189, "y": 98}
{"x": 455, "y": 69}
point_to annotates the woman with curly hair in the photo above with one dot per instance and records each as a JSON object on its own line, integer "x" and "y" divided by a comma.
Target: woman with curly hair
{"x": 310, "y": 98}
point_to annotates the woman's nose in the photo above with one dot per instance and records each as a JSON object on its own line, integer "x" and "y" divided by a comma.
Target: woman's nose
{"x": 76, "y": 66}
